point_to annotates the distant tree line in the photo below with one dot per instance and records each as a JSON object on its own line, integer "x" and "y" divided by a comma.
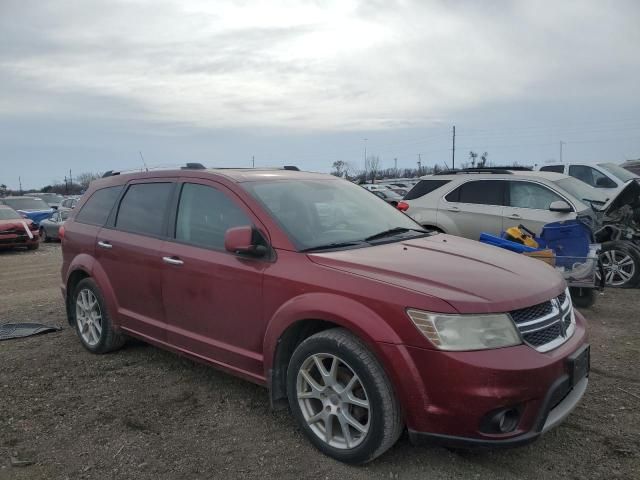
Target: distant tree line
{"x": 79, "y": 184}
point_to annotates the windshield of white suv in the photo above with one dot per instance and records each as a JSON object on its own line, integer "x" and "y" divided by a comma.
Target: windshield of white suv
{"x": 319, "y": 214}
{"x": 621, "y": 173}
{"x": 581, "y": 190}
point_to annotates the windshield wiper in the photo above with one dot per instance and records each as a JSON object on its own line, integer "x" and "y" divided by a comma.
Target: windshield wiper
{"x": 391, "y": 232}
{"x": 329, "y": 246}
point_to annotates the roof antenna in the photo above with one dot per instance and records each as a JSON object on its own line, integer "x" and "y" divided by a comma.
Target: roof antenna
{"x": 143, "y": 162}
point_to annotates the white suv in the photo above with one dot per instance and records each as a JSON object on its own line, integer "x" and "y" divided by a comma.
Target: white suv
{"x": 466, "y": 203}
{"x": 609, "y": 178}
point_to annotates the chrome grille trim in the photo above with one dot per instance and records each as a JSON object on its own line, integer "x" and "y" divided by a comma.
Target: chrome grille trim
{"x": 550, "y": 330}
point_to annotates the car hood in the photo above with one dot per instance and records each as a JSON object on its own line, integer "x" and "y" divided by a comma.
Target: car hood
{"x": 14, "y": 224}
{"x": 629, "y": 195}
{"x": 470, "y": 276}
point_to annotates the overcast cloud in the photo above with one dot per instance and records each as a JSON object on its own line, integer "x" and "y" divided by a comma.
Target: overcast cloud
{"x": 87, "y": 84}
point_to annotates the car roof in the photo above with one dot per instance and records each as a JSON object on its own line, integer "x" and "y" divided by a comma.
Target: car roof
{"x": 552, "y": 176}
{"x": 237, "y": 175}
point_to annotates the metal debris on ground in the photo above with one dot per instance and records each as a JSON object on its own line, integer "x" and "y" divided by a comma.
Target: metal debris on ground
{"x": 19, "y": 330}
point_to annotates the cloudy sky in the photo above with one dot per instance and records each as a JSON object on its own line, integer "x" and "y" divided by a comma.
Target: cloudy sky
{"x": 87, "y": 84}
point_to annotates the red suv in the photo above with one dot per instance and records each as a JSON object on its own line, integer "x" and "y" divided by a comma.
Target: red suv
{"x": 346, "y": 309}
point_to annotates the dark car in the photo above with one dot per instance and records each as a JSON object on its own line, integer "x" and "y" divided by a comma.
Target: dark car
{"x": 34, "y": 209}
{"x": 358, "y": 319}
{"x": 16, "y": 231}
{"x": 49, "y": 227}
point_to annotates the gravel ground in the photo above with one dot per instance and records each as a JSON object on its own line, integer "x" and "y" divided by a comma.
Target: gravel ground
{"x": 145, "y": 413}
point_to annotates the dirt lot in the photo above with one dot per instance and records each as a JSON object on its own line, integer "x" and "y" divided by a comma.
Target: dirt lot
{"x": 145, "y": 413}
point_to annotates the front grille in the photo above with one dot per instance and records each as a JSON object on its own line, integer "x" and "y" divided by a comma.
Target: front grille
{"x": 546, "y": 325}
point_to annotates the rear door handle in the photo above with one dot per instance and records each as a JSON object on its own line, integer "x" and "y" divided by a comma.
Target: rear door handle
{"x": 514, "y": 215}
{"x": 103, "y": 244}
{"x": 453, "y": 209}
{"x": 172, "y": 261}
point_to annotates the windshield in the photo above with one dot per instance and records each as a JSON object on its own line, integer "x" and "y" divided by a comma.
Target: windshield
{"x": 323, "y": 212}
{"x": 581, "y": 190}
{"x": 26, "y": 203}
{"x": 8, "y": 214}
{"x": 621, "y": 173}
{"x": 52, "y": 197}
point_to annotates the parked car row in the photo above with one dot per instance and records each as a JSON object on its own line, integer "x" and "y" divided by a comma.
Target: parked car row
{"x": 26, "y": 220}
{"x": 469, "y": 202}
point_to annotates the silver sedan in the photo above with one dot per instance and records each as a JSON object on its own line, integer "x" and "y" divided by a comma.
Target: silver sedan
{"x": 49, "y": 227}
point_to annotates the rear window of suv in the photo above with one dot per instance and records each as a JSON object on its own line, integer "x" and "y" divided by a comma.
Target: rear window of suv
{"x": 482, "y": 192}
{"x": 423, "y": 187}
{"x": 143, "y": 207}
{"x": 96, "y": 210}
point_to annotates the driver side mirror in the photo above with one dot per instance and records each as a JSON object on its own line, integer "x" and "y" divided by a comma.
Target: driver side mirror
{"x": 560, "y": 206}
{"x": 240, "y": 240}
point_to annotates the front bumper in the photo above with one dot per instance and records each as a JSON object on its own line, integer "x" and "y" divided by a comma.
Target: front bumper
{"x": 447, "y": 396}
{"x": 549, "y": 417}
{"x": 8, "y": 240}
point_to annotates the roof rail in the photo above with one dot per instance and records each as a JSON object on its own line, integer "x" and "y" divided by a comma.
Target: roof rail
{"x": 110, "y": 173}
{"x": 193, "y": 166}
{"x": 494, "y": 170}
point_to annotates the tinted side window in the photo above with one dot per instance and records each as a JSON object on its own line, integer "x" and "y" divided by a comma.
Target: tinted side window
{"x": 482, "y": 192}
{"x": 96, "y": 210}
{"x": 142, "y": 209}
{"x": 531, "y": 195}
{"x": 583, "y": 173}
{"x": 423, "y": 187}
{"x": 205, "y": 214}
{"x": 553, "y": 168}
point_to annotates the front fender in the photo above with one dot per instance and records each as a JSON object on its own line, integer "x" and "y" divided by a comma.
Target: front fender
{"x": 329, "y": 307}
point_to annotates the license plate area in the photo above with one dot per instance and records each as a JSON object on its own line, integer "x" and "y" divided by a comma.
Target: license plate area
{"x": 579, "y": 364}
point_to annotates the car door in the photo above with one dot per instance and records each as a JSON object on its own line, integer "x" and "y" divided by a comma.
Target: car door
{"x": 528, "y": 204}
{"x": 213, "y": 298}
{"x": 128, "y": 250}
{"x": 472, "y": 208}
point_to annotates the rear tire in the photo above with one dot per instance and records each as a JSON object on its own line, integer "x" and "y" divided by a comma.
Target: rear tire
{"x": 92, "y": 320}
{"x": 350, "y": 411}
{"x": 621, "y": 264}
{"x": 582, "y": 297}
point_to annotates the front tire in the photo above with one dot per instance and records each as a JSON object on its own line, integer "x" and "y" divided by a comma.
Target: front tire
{"x": 92, "y": 320}
{"x": 342, "y": 398}
{"x": 582, "y": 297}
{"x": 43, "y": 235}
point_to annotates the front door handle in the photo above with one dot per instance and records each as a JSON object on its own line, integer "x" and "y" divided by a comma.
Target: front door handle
{"x": 172, "y": 261}
{"x": 103, "y": 244}
{"x": 453, "y": 209}
{"x": 515, "y": 215}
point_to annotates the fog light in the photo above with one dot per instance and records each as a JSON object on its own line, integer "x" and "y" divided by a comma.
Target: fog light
{"x": 504, "y": 420}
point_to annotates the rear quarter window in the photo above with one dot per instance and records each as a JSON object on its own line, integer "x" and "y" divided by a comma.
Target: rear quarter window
{"x": 96, "y": 210}
{"x": 553, "y": 168}
{"x": 424, "y": 187}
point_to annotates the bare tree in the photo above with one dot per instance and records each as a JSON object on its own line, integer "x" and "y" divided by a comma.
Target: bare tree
{"x": 84, "y": 179}
{"x": 473, "y": 155}
{"x": 483, "y": 160}
{"x": 371, "y": 166}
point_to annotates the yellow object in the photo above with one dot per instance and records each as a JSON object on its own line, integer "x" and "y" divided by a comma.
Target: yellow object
{"x": 547, "y": 256}
{"x": 516, "y": 234}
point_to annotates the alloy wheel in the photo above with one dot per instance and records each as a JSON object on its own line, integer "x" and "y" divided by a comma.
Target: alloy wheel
{"x": 619, "y": 267}
{"x": 333, "y": 401}
{"x": 88, "y": 317}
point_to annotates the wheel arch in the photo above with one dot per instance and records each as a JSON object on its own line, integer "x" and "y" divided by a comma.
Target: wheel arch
{"x": 303, "y": 316}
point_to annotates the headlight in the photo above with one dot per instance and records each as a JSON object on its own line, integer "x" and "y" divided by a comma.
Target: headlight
{"x": 466, "y": 332}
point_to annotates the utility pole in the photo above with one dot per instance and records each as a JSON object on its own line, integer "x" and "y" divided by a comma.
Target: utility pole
{"x": 395, "y": 167}
{"x": 20, "y": 183}
{"x": 419, "y": 165}
{"x": 561, "y": 144}
{"x": 365, "y": 160}
{"x": 70, "y": 181}
{"x": 453, "y": 150}
{"x": 253, "y": 161}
